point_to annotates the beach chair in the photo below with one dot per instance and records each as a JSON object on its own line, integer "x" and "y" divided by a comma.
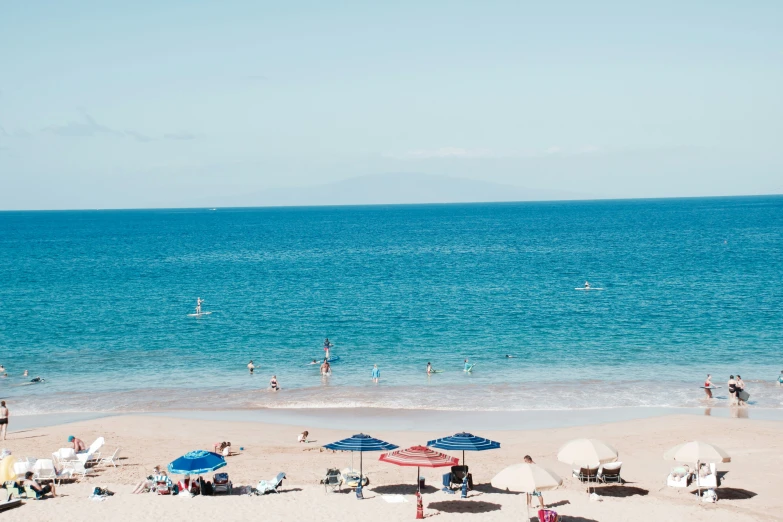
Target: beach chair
{"x": 221, "y": 484}
{"x": 710, "y": 479}
{"x": 44, "y": 469}
{"x": 271, "y": 486}
{"x": 457, "y": 475}
{"x": 113, "y": 459}
{"x": 679, "y": 477}
{"x": 610, "y": 473}
{"x": 77, "y": 467}
{"x": 586, "y": 474}
{"x": 547, "y": 515}
{"x": 333, "y": 480}
{"x": 22, "y": 467}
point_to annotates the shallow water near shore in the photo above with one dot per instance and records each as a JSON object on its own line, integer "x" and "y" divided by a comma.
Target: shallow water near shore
{"x": 96, "y": 302}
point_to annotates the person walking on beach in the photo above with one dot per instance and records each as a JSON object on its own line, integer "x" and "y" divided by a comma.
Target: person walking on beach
{"x": 3, "y": 420}
{"x": 740, "y": 387}
{"x": 376, "y": 374}
{"x": 732, "y": 385}
{"x": 708, "y": 386}
{"x": 251, "y": 366}
{"x": 529, "y": 460}
{"x": 273, "y": 383}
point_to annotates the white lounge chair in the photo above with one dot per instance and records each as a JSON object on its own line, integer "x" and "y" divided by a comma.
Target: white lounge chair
{"x": 610, "y": 472}
{"x": 271, "y": 486}
{"x": 709, "y": 480}
{"x": 22, "y": 467}
{"x": 680, "y": 477}
{"x": 93, "y": 453}
{"x": 78, "y": 467}
{"x": 44, "y": 469}
{"x": 113, "y": 459}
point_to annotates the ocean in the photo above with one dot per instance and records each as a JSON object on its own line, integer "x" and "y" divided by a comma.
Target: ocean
{"x": 97, "y": 303}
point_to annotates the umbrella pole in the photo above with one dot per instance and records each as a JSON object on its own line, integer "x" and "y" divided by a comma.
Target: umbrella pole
{"x": 698, "y": 484}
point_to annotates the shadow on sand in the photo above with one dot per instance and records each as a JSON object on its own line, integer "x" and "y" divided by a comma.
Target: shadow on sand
{"x": 463, "y": 506}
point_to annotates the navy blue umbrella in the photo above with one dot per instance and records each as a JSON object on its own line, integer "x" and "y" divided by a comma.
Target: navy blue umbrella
{"x": 197, "y": 463}
{"x": 463, "y": 442}
{"x": 361, "y": 443}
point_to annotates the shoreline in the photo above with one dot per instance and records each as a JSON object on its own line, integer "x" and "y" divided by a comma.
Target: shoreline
{"x": 409, "y": 420}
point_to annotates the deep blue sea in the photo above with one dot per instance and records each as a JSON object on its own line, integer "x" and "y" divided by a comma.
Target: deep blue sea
{"x": 97, "y": 303}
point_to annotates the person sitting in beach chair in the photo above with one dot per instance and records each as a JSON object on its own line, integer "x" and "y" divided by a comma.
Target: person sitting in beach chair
{"x": 77, "y": 444}
{"x": 37, "y": 490}
{"x": 189, "y": 485}
{"x": 458, "y": 475}
{"x": 163, "y": 484}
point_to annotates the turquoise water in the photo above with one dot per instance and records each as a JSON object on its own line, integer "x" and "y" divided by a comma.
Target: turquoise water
{"x": 96, "y": 302}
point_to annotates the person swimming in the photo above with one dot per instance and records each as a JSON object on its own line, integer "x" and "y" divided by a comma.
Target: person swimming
{"x": 37, "y": 379}
{"x": 314, "y": 361}
{"x": 509, "y": 356}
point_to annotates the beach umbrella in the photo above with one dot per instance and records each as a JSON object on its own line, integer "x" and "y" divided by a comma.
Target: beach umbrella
{"x": 463, "y": 442}
{"x": 587, "y": 453}
{"x": 360, "y": 443}
{"x": 421, "y": 457}
{"x": 526, "y": 478}
{"x": 698, "y": 452}
{"x": 196, "y": 463}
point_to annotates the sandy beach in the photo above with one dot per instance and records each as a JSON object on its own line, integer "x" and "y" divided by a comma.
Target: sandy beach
{"x": 750, "y": 489}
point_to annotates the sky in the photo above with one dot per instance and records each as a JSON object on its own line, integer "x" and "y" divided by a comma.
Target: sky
{"x": 177, "y": 103}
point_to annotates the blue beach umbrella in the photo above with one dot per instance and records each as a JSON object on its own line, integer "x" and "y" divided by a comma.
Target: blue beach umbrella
{"x": 463, "y": 442}
{"x": 361, "y": 443}
{"x": 197, "y": 463}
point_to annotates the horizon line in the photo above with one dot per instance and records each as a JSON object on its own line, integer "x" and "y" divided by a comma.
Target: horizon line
{"x": 420, "y": 204}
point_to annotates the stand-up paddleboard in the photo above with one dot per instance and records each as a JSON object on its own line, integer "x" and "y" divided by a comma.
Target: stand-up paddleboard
{"x": 435, "y": 371}
{"x": 199, "y": 315}
{"x": 587, "y": 289}
{"x": 743, "y": 396}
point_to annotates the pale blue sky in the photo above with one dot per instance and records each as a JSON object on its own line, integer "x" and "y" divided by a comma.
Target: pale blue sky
{"x": 108, "y": 104}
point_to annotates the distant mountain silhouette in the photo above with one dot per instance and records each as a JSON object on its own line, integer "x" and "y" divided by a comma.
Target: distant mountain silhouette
{"x": 386, "y": 189}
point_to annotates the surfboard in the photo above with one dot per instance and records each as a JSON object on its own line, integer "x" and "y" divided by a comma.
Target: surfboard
{"x": 710, "y": 388}
{"x": 743, "y": 396}
{"x": 333, "y": 358}
{"x": 587, "y": 289}
{"x": 436, "y": 371}
{"x": 199, "y": 315}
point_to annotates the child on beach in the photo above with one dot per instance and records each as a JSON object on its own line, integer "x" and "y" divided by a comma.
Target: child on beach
{"x": 303, "y": 436}
{"x": 376, "y": 374}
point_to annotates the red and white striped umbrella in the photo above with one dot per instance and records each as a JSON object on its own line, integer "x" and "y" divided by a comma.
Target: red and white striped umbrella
{"x": 419, "y": 456}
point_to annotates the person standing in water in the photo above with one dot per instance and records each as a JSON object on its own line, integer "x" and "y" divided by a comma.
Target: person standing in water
{"x": 376, "y": 374}
{"x": 740, "y": 387}
{"x": 468, "y": 366}
{"x": 326, "y": 369}
{"x": 780, "y": 378}
{"x": 198, "y": 305}
{"x": 273, "y": 383}
{"x": 429, "y": 369}
{"x": 327, "y": 346}
{"x": 708, "y": 385}
{"x": 732, "y": 386}
{"x": 251, "y": 367}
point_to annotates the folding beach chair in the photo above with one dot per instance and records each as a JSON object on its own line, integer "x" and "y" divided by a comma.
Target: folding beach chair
{"x": 333, "y": 480}
{"x": 221, "y": 484}
{"x": 457, "y": 476}
{"x": 271, "y": 486}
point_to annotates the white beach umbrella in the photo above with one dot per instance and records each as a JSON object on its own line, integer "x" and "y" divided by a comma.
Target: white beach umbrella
{"x": 526, "y": 478}
{"x": 587, "y": 453}
{"x": 697, "y": 451}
